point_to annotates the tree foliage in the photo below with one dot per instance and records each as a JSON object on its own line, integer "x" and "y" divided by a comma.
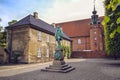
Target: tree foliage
{"x": 66, "y": 51}
{"x": 12, "y": 22}
{"x": 2, "y": 36}
{"x": 112, "y": 26}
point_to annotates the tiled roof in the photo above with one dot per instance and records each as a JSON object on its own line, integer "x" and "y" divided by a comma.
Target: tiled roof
{"x": 77, "y": 28}
{"x": 37, "y": 24}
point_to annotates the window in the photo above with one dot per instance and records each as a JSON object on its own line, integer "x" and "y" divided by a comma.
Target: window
{"x": 94, "y": 32}
{"x": 95, "y": 38}
{"x": 53, "y": 51}
{"x": 39, "y": 36}
{"x": 79, "y": 41}
{"x": 47, "y": 53}
{"x": 39, "y": 52}
{"x": 54, "y": 40}
{"x": 48, "y": 38}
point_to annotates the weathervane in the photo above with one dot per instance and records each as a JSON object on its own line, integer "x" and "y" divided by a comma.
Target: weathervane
{"x": 94, "y": 5}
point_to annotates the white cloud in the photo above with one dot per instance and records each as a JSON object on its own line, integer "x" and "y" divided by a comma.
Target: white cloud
{"x": 52, "y": 12}
{"x": 68, "y": 10}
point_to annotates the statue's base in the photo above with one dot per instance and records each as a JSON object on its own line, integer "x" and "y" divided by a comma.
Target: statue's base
{"x": 59, "y": 66}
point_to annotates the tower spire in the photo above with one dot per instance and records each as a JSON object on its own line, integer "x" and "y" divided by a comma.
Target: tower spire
{"x": 94, "y": 5}
{"x": 94, "y": 11}
{"x": 94, "y": 17}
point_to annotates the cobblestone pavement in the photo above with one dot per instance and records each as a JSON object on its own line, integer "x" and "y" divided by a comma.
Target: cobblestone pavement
{"x": 89, "y": 69}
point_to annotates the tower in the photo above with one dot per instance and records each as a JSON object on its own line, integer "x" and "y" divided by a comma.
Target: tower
{"x": 96, "y": 38}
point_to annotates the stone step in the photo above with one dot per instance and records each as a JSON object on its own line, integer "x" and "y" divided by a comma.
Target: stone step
{"x": 68, "y": 70}
{"x": 50, "y": 70}
{"x": 67, "y": 67}
{"x": 58, "y": 70}
{"x": 59, "y": 65}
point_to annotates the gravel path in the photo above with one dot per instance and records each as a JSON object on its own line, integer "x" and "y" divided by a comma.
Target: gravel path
{"x": 89, "y": 69}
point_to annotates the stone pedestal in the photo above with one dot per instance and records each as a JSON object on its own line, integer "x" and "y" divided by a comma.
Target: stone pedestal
{"x": 59, "y": 64}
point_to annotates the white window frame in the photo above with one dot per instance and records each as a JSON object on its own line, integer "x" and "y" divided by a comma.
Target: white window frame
{"x": 54, "y": 40}
{"x": 53, "y": 51}
{"x": 79, "y": 41}
{"x": 39, "y": 52}
{"x": 47, "y": 53}
{"x": 48, "y": 38}
{"x": 39, "y": 36}
{"x": 95, "y": 32}
{"x": 95, "y": 38}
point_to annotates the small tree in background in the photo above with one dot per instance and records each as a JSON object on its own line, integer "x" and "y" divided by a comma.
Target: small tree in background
{"x": 2, "y": 36}
{"x": 112, "y": 27}
{"x": 12, "y": 22}
{"x": 66, "y": 51}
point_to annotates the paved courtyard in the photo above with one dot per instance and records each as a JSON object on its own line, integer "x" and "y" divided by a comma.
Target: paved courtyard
{"x": 86, "y": 69}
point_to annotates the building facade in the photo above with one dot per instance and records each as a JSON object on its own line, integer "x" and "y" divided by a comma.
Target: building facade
{"x": 32, "y": 40}
{"x": 85, "y": 37}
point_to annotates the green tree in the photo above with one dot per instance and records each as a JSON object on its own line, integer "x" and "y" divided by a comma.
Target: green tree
{"x": 12, "y": 22}
{"x": 2, "y": 36}
{"x": 66, "y": 51}
{"x": 112, "y": 27}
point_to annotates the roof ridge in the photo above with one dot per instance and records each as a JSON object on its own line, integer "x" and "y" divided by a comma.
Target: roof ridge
{"x": 30, "y": 17}
{"x": 77, "y": 20}
{"x": 45, "y": 22}
{"x": 37, "y": 24}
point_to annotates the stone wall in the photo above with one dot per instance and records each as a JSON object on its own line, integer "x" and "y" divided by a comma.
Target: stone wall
{"x": 35, "y": 44}
{"x": 43, "y": 44}
{"x": 19, "y": 43}
{"x": 28, "y": 42}
{"x": 3, "y": 56}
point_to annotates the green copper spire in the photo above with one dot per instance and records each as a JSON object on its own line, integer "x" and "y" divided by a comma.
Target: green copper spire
{"x": 94, "y": 17}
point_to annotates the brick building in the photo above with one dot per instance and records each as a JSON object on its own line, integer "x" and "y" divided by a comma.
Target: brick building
{"x": 87, "y": 34}
{"x": 32, "y": 40}
{"x": 84, "y": 35}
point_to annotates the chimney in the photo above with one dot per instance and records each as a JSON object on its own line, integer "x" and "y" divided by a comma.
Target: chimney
{"x": 36, "y": 15}
{"x": 54, "y": 25}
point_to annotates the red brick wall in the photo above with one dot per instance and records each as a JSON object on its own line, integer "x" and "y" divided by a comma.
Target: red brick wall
{"x": 85, "y": 43}
{"x": 81, "y": 29}
{"x": 88, "y": 54}
{"x": 98, "y": 43}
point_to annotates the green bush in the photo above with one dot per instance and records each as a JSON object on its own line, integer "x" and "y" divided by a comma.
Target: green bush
{"x": 66, "y": 51}
{"x": 112, "y": 26}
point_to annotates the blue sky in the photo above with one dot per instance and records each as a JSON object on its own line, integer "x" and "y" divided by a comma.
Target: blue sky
{"x": 51, "y": 11}
{"x": 17, "y": 9}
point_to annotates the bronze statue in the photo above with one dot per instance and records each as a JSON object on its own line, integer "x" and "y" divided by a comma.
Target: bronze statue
{"x": 58, "y": 52}
{"x": 58, "y": 36}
